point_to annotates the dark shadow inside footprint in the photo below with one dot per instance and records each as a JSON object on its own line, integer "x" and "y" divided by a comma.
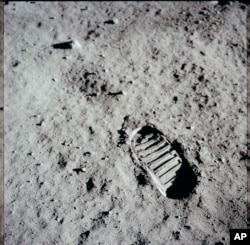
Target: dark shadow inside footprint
{"x": 148, "y": 130}
{"x": 185, "y": 180}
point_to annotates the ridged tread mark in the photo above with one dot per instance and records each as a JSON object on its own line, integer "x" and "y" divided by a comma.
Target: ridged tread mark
{"x": 155, "y": 151}
{"x": 168, "y": 167}
{"x": 157, "y": 154}
{"x": 145, "y": 144}
{"x": 154, "y": 147}
{"x": 168, "y": 152}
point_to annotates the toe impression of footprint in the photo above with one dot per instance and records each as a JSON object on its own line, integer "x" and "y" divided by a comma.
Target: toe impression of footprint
{"x": 164, "y": 162}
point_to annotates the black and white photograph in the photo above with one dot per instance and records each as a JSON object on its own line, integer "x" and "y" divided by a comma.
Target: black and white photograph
{"x": 125, "y": 122}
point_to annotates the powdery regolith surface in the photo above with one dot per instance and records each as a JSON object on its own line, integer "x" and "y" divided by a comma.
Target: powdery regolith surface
{"x": 70, "y": 177}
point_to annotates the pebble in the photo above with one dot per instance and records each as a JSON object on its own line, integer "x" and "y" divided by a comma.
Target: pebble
{"x": 111, "y": 22}
{"x": 75, "y": 44}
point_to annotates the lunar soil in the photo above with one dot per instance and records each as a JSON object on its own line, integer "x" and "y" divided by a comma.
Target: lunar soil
{"x": 80, "y": 77}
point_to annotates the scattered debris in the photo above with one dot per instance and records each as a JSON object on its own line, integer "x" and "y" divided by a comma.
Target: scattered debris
{"x": 83, "y": 237}
{"x": 166, "y": 217}
{"x": 142, "y": 179}
{"x": 92, "y": 33}
{"x": 116, "y": 93}
{"x": 175, "y": 99}
{"x": 67, "y": 45}
{"x": 61, "y": 220}
{"x": 158, "y": 12}
{"x": 90, "y": 184}
{"x": 62, "y": 162}
{"x": 123, "y": 136}
{"x": 40, "y": 123}
{"x": 176, "y": 235}
{"x": 79, "y": 170}
{"x": 111, "y": 22}
{"x": 87, "y": 154}
{"x": 91, "y": 130}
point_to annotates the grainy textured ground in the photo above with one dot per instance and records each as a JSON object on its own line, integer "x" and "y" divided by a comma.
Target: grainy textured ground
{"x": 1, "y": 127}
{"x": 248, "y": 112}
{"x": 69, "y": 174}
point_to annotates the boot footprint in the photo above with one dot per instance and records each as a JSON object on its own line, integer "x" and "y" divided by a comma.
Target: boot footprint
{"x": 156, "y": 154}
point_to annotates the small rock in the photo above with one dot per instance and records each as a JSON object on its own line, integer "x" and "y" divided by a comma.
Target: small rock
{"x": 67, "y": 45}
{"x": 78, "y": 170}
{"x": 111, "y": 22}
{"x": 90, "y": 184}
